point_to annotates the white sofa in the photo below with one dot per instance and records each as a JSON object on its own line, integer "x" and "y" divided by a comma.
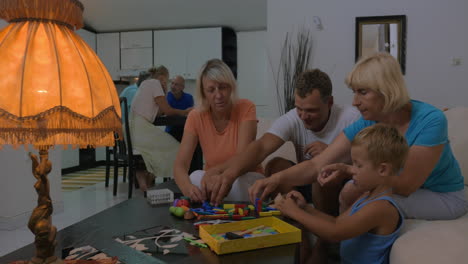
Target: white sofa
{"x": 439, "y": 241}
{"x": 423, "y": 241}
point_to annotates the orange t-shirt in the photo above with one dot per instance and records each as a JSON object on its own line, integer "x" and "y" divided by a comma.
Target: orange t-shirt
{"x": 219, "y": 147}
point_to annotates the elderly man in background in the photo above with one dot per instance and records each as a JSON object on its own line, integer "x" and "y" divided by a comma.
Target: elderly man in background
{"x": 178, "y": 99}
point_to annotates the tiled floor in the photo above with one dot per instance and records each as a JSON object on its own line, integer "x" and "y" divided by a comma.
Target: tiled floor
{"x": 78, "y": 205}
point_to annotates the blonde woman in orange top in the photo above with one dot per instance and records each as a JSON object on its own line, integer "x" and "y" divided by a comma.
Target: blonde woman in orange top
{"x": 224, "y": 126}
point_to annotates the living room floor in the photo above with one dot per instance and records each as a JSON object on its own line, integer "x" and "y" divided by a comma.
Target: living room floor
{"x": 78, "y": 205}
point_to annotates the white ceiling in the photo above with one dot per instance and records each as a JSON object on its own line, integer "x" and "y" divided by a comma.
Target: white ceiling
{"x": 127, "y": 15}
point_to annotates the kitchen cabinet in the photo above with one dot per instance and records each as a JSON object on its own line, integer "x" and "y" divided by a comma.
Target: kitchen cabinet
{"x": 136, "y": 39}
{"x": 108, "y": 50}
{"x": 184, "y": 51}
{"x": 136, "y": 59}
{"x": 136, "y": 50}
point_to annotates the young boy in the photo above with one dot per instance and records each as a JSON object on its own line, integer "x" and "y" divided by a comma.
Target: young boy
{"x": 370, "y": 226}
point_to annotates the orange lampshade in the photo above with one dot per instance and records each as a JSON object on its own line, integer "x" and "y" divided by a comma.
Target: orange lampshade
{"x": 55, "y": 90}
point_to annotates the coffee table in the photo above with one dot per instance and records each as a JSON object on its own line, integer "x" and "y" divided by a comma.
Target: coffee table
{"x": 137, "y": 214}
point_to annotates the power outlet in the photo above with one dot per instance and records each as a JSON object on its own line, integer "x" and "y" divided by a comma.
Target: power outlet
{"x": 456, "y": 61}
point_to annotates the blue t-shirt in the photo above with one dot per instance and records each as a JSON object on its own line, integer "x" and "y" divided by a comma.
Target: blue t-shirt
{"x": 428, "y": 127}
{"x": 129, "y": 93}
{"x": 369, "y": 248}
{"x": 184, "y": 102}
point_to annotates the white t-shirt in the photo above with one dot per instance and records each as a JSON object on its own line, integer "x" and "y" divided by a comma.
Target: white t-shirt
{"x": 143, "y": 103}
{"x": 289, "y": 127}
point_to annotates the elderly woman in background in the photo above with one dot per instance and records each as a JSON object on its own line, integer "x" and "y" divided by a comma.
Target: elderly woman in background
{"x": 157, "y": 148}
{"x": 224, "y": 126}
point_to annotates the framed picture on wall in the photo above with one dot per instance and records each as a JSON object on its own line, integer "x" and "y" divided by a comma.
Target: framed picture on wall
{"x": 381, "y": 34}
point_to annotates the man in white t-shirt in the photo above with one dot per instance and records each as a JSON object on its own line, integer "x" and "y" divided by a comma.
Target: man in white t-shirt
{"x": 310, "y": 126}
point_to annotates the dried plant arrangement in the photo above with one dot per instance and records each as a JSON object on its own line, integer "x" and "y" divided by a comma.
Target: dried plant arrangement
{"x": 295, "y": 59}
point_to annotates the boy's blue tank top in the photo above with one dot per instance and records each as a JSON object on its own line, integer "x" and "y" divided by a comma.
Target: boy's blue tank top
{"x": 369, "y": 248}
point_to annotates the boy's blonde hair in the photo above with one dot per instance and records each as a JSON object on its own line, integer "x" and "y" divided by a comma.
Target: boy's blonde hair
{"x": 380, "y": 72}
{"x": 215, "y": 70}
{"x": 383, "y": 143}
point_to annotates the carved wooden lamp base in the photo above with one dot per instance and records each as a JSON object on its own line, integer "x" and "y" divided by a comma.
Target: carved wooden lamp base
{"x": 40, "y": 222}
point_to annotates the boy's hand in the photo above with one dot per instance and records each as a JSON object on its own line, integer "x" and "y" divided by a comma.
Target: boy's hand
{"x": 334, "y": 174}
{"x": 287, "y": 207}
{"x": 298, "y": 198}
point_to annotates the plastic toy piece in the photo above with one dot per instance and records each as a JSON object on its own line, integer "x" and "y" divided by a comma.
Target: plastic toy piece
{"x": 258, "y": 206}
{"x": 275, "y": 212}
{"x": 231, "y": 236}
{"x": 195, "y": 243}
{"x": 228, "y": 206}
{"x": 238, "y": 235}
{"x": 177, "y": 211}
{"x": 160, "y": 196}
{"x": 188, "y": 215}
{"x": 262, "y": 214}
{"x": 251, "y": 230}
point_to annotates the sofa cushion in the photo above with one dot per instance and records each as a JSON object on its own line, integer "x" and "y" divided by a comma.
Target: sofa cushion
{"x": 458, "y": 135}
{"x": 431, "y": 242}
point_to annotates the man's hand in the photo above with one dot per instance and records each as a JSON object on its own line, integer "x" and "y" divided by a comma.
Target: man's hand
{"x": 287, "y": 206}
{"x": 334, "y": 174}
{"x": 216, "y": 184}
{"x": 193, "y": 192}
{"x": 314, "y": 148}
{"x": 264, "y": 187}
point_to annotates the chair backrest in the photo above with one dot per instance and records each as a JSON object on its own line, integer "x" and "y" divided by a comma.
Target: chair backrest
{"x": 124, "y": 145}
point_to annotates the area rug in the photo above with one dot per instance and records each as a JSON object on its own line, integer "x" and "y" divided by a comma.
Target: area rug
{"x": 85, "y": 178}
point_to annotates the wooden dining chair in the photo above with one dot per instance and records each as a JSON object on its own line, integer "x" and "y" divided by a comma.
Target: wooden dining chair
{"x": 122, "y": 155}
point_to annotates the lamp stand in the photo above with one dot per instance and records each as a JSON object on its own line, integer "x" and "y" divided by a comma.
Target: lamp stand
{"x": 40, "y": 222}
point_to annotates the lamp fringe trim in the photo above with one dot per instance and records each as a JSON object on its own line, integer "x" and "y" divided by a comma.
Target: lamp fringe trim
{"x": 60, "y": 126}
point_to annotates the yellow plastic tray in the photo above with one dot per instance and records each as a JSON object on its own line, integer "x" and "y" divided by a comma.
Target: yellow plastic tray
{"x": 288, "y": 234}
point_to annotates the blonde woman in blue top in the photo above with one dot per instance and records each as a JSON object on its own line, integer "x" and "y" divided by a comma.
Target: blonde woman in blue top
{"x": 368, "y": 229}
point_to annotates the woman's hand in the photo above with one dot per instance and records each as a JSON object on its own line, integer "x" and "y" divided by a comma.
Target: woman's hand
{"x": 193, "y": 192}
{"x": 216, "y": 184}
{"x": 334, "y": 174}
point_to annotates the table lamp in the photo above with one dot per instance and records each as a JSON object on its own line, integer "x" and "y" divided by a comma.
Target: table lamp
{"x": 55, "y": 91}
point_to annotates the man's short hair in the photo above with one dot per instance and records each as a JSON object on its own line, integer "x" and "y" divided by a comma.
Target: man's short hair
{"x": 311, "y": 80}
